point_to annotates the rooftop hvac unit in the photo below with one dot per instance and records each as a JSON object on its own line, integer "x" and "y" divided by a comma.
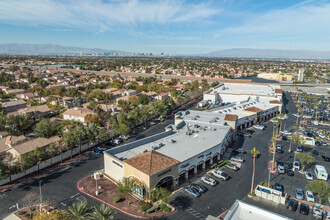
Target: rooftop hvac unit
{"x": 145, "y": 151}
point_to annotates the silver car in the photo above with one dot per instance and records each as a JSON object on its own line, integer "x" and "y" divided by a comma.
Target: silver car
{"x": 310, "y": 196}
{"x": 208, "y": 180}
{"x": 237, "y": 159}
{"x": 309, "y": 176}
{"x": 231, "y": 166}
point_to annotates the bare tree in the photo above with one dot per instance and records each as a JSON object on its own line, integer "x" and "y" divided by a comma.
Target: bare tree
{"x": 29, "y": 200}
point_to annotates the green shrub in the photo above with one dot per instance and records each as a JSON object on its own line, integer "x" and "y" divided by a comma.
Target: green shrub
{"x": 165, "y": 208}
{"x": 27, "y": 215}
{"x": 223, "y": 162}
{"x": 145, "y": 206}
{"x": 116, "y": 199}
{"x": 22, "y": 213}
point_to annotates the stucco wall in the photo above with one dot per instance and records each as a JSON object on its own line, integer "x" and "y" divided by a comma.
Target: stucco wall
{"x": 113, "y": 167}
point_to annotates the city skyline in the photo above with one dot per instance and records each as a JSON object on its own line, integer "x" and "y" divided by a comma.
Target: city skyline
{"x": 174, "y": 27}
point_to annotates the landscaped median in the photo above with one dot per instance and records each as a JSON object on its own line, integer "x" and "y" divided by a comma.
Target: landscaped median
{"x": 128, "y": 204}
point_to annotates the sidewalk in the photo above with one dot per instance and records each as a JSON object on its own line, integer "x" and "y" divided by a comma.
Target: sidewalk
{"x": 12, "y": 216}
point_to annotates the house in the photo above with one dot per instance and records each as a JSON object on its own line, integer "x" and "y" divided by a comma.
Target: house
{"x": 12, "y": 105}
{"x": 37, "y": 112}
{"x": 67, "y": 102}
{"x": 28, "y": 95}
{"x": 124, "y": 98}
{"x": 129, "y": 92}
{"x": 77, "y": 114}
{"x": 162, "y": 96}
{"x": 14, "y": 91}
{"x": 19, "y": 145}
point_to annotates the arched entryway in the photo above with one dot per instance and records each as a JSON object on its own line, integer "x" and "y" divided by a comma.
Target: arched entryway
{"x": 191, "y": 172}
{"x": 200, "y": 167}
{"x": 139, "y": 188}
{"x": 208, "y": 163}
{"x": 182, "y": 177}
{"x": 166, "y": 182}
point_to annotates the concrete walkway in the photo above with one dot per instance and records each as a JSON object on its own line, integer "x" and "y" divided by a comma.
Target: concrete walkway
{"x": 12, "y": 216}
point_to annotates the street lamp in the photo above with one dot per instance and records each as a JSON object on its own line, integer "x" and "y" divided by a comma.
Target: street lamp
{"x": 96, "y": 177}
{"x": 40, "y": 194}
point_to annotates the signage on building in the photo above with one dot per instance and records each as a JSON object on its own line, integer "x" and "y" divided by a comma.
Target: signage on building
{"x": 166, "y": 171}
{"x": 184, "y": 165}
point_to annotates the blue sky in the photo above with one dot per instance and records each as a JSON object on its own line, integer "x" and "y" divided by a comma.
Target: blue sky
{"x": 169, "y": 26}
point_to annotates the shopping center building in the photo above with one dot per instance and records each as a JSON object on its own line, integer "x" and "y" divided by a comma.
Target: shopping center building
{"x": 195, "y": 141}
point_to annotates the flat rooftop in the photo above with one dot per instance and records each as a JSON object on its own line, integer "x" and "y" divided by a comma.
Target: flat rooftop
{"x": 243, "y": 89}
{"x": 180, "y": 144}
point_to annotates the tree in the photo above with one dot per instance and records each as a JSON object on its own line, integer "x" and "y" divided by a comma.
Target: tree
{"x": 255, "y": 154}
{"x": 8, "y": 162}
{"x": 305, "y": 159}
{"x": 159, "y": 194}
{"x": 79, "y": 211}
{"x": 297, "y": 139}
{"x": 126, "y": 186}
{"x": 103, "y": 212}
{"x": 39, "y": 156}
{"x": 29, "y": 200}
{"x": 50, "y": 150}
{"x": 321, "y": 188}
{"x": 53, "y": 215}
{"x": 47, "y": 129}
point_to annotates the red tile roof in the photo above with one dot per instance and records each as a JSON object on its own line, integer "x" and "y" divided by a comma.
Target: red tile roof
{"x": 275, "y": 102}
{"x": 151, "y": 162}
{"x": 253, "y": 109}
{"x": 279, "y": 91}
{"x": 231, "y": 117}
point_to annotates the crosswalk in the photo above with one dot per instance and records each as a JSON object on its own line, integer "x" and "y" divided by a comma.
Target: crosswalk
{"x": 195, "y": 213}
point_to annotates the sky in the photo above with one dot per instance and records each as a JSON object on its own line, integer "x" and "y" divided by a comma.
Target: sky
{"x": 169, "y": 26}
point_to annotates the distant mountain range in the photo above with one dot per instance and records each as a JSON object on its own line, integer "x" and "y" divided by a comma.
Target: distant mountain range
{"x": 53, "y": 49}
{"x": 270, "y": 54}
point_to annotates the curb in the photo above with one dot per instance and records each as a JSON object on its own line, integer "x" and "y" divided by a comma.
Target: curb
{"x": 47, "y": 170}
{"x": 127, "y": 213}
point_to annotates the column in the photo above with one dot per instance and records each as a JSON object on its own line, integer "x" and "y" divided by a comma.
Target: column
{"x": 175, "y": 184}
{"x": 218, "y": 157}
{"x": 211, "y": 160}
{"x": 186, "y": 176}
{"x": 203, "y": 166}
{"x": 195, "y": 170}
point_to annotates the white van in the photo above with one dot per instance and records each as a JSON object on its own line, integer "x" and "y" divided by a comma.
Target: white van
{"x": 320, "y": 172}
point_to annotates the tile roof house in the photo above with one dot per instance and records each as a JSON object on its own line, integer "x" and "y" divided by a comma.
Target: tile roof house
{"x": 36, "y": 112}
{"x": 162, "y": 96}
{"x": 77, "y": 114}
{"x": 19, "y": 145}
{"x": 12, "y": 105}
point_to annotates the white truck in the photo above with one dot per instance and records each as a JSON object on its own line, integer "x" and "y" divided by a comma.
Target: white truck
{"x": 320, "y": 172}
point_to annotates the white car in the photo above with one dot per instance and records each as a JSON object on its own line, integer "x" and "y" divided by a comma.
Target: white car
{"x": 286, "y": 132}
{"x": 296, "y": 115}
{"x": 232, "y": 166}
{"x": 307, "y": 116}
{"x": 260, "y": 127}
{"x": 310, "y": 196}
{"x": 296, "y": 165}
{"x": 208, "y": 180}
{"x": 237, "y": 159}
{"x": 273, "y": 120}
{"x": 309, "y": 176}
{"x": 321, "y": 136}
{"x": 220, "y": 174}
{"x": 281, "y": 118}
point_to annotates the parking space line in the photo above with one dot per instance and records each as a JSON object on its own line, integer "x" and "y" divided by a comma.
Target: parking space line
{"x": 81, "y": 198}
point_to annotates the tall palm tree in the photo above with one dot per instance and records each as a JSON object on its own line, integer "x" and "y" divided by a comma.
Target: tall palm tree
{"x": 79, "y": 210}
{"x": 255, "y": 154}
{"x": 103, "y": 212}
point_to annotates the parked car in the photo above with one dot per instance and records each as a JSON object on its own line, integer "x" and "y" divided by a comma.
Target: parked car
{"x": 324, "y": 144}
{"x": 247, "y": 135}
{"x": 292, "y": 205}
{"x": 289, "y": 172}
{"x": 278, "y": 146}
{"x": 284, "y": 138}
{"x": 279, "y": 187}
{"x": 314, "y": 152}
{"x": 296, "y": 165}
{"x": 317, "y": 143}
{"x": 192, "y": 191}
{"x": 240, "y": 151}
{"x": 325, "y": 158}
{"x": 280, "y": 151}
{"x": 300, "y": 148}
{"x": 97, "y": 150}
{"x": 220, "y": 174}
{"x": 280, "y": 163}
{"x": 117, "y": 141}
{"x": 288, "y": 165}
{"x": 299, "y": 194}
{"x": 304, "y": 209}
{"x": 198, "y": 187}
{"x": 317, "y": 212}
{"x": 208, "y": 180}
{"x": 232, "y": 166}
{"x": 260, "y": 127}
{"x": 237, "y": 159}
{"x": 281, "y": 169}
{"x": 288, "y": 133}
{"x": 125, "y": 137}
{"x": 309, "y": 176}
{"x": 310, "y": 196}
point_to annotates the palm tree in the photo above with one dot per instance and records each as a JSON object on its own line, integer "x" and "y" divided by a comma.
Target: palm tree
{"x": 79, "y": 211}
{"x": 126, "y": 186}
{"x": 255, "y": 154}
{"x": 103, "y": 212}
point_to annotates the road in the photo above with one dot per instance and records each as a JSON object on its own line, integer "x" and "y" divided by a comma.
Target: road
{"x": 61, "y": 184}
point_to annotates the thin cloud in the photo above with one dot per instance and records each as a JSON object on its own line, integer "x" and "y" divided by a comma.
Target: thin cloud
{"x": 303, "y": 18}
{"x": 100, "y": 15}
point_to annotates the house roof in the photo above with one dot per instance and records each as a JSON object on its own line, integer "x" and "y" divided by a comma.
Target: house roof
{"x": 279, "y": 91}
{"x": 231, "y": 117}
{"x": 80, "y": 112}
{"x": 12, "y": 103}
{"x": 30, "y": 144}
{"x": 36, "y": 108}
{"x": 253, "y": 109}
{"x": 275, "y": 102}
{"x": 151, "y": 162}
